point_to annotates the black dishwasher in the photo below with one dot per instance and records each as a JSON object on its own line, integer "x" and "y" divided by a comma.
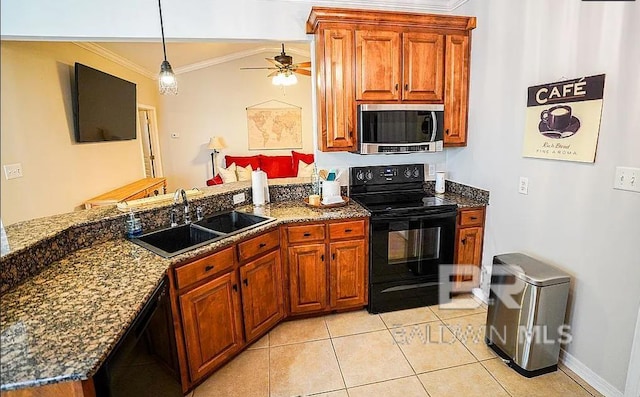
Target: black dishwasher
{"x": 144, "y": 361}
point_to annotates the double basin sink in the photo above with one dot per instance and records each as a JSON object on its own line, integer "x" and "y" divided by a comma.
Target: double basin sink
{"x": 180, "y": 239}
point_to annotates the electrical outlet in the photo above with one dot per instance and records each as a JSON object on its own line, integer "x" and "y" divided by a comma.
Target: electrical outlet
{"x": 12, "y": 171}
{"x": 523, "y": 186}
{"x": 627, "y": 178}
{"x": 238, "y": 198}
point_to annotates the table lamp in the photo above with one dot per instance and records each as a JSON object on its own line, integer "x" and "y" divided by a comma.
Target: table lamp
{"x": 215, "y": 144}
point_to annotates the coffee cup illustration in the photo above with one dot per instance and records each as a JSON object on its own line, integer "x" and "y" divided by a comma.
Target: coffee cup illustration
{"x": 557, "y": 118}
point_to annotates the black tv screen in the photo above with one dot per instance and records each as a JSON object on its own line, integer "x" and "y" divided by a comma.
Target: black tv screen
{"x": 104, "y": 106}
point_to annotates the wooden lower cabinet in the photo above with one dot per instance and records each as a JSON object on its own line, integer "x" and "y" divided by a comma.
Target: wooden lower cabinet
{"x": 469, "y": 241}
{"x": 307, "y": 278}
{"x": 348, "y": 273}
{"x": 262, "y": 300}
{"x": 212, "y": 324}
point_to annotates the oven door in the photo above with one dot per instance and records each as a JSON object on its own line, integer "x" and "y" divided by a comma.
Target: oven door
{"x": 410, "y": 247}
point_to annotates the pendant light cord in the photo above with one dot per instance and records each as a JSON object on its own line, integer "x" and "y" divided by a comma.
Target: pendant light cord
{"x": 164, "y": 49}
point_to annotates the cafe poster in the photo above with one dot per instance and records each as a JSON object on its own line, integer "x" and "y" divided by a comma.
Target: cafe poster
{"x": 563, "y": 119}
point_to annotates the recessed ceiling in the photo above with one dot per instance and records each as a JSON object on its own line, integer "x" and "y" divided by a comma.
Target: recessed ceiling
{"x": 145, "y": 58}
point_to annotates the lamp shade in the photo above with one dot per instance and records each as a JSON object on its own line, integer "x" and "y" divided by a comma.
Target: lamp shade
{"x": 216, "y": 143}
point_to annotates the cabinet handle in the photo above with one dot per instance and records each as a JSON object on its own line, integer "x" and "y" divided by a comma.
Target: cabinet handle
{"x": 348, "y": 230}
{"x": 246, "y": 282}
{"x": 322, "y": 258}
{"x": 333, "y": 256}
{"x": 463, "y": 241}
{"x": 262, "y": 245}
{"x": 473, "y": 218}
{"x": 208, "y": 267}
{"x": 406, "y": 87}
{"x": 350, "y": 134}
{"x": 235, "y": 287}
{"x": 447, "y": 131}
{"x": 396, "y": 86}
{"x": 307, "y": 234}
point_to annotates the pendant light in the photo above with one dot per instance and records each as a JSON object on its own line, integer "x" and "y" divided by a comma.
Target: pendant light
{"x": 166, "y": 79}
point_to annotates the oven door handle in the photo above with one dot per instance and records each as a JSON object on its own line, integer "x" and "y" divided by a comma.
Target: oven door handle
{"x": 409, "y": 215}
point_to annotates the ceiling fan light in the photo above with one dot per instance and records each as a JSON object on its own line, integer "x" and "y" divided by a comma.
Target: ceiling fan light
{"x": 278, "y": 79}
{"x": 289, "y": 79}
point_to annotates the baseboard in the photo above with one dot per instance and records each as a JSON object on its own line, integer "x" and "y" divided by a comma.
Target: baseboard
{"x": 589, "y": 376}
{"x": 478, "y": 293}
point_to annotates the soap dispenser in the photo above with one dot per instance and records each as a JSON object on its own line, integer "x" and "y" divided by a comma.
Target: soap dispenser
{"x": 133, "y": 226}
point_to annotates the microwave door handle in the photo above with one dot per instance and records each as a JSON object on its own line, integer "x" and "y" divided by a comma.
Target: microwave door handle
{"x": 434, "y": 126}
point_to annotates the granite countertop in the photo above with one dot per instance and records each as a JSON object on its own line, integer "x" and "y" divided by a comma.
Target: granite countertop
{"x": 62, "y": 323}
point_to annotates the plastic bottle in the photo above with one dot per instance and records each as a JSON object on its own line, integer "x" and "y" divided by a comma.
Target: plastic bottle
{"x": 315, "y": 180}
{"x": 134, "y": 226}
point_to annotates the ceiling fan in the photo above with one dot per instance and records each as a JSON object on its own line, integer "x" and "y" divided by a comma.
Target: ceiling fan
{"x": 283, "y": 69}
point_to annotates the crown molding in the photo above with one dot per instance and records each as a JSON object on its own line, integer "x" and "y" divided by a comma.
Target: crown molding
{"x": 112, "y": 56}
{"x": 237, "y": 55}
{"x": 409, "y": 5}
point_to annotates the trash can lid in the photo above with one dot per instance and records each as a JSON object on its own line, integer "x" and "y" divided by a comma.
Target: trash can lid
{"x": 531, "y": 270}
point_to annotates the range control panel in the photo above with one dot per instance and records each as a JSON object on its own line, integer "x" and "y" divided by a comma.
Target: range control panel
{"x": 379, "y": 175}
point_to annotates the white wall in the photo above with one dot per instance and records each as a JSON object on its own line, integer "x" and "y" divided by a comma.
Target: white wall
{"x": 213, "y": 102}
{"x": 37, "y": 131}
{"x": 571, "y": 217}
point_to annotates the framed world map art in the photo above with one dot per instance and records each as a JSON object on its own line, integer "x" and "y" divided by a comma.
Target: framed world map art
{"x": 274, "y": 128}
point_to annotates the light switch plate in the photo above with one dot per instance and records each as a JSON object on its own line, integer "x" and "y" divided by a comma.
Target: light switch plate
{"x": 12, "y": 171}
{"x": 238, "y": 198}
{"x": 523, "y": 186}
{"x": 627, "y": 178}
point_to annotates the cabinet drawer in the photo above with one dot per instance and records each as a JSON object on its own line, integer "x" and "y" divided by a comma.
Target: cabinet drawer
{"x": 204, "y": 268}
{"x": 346, "y": 229}
{"x": 471, "y": 217}
{"x": 258, "y": 245}
{"x": 299, "y": 234}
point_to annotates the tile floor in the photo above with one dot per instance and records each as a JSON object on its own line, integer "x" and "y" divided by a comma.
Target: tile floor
{"x": 429, "y": 351}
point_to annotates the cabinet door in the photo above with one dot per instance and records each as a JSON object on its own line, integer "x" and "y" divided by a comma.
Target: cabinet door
{"x": 456, "y": 94}
{"x": 423, "y": 66}
{"x": 469, "y": 252}
{"x": 348, "y": 274}
{"x": 211, "y": 319}
{"x": 262, "y": 300}
{"x": 335, "y": 92}
{"x": 307, "y": 278}
{"x": 377, "y": 65}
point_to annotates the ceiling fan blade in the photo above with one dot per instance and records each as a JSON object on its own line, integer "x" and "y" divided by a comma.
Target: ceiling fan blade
{"x": 303, "y": 65}
{"x": 261, "y": 68}
{"x": 273, "y": 73}
{"x": 273, "y": 61}
{"x": 302, "y": 72}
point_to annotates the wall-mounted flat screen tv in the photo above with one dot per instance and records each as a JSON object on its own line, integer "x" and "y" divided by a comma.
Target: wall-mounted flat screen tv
{"x": 104, "y": 106}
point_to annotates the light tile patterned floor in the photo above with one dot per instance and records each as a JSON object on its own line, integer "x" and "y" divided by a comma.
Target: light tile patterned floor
{"x": 429, "y": 351}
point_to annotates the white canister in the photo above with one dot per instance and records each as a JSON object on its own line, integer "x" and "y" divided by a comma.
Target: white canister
{"x": 440, "y": 182}
{"x": 330, "y": 189}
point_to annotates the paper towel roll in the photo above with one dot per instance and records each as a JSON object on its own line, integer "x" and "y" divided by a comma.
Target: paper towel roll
{"x": 440, "y": 182}
{"x": 258, "y": 184}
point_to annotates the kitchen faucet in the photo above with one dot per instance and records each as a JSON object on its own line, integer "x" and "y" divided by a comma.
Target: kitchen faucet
{"x": 176, "y": 199}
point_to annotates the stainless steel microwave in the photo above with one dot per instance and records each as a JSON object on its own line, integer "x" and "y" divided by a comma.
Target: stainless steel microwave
{"x": 400, "y": 128}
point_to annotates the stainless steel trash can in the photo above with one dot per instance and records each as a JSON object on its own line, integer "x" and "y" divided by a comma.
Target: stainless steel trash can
{"x": 525, "y": 319}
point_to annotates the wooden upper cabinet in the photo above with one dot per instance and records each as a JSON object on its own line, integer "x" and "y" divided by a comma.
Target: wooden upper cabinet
{"x": 262, "y": 299}
{"x": 212, "y": 324}
{"x": 456, "y": 96}
{"x": 423, "y": 67}
{"x": 337, "y": 109}
{"x": 377, "y": 65}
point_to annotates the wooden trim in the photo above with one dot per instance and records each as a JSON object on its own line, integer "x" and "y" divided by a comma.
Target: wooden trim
{"x": 321, "y": 15}
{"x": 84, "y": 388}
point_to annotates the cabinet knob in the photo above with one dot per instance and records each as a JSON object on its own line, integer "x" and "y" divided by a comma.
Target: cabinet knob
{"x": 473, "y": 218}
{"x": 235, "y": 287}
{"x": 307, "y": 234}
{"x": 262, "y": 245}
{"x": 322, "y": 258}
{"x": 333, "y": 256}
{"x": 245, "y": 282}
{"x": 396, "y": 86}
{"x": 208, "y": 267}
{"x": 447, "y": 131}
{"x": 348, "y": 230}
{"x": 406, "y": 87}
{"x": 463, "y": 241}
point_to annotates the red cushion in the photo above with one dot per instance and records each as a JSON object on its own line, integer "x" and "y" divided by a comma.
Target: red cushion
{"x": 216, "y": 180}
{"x": 243, "y": 161}
{"x": 305, "y": 158}
{"x": 277, "y": 166}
